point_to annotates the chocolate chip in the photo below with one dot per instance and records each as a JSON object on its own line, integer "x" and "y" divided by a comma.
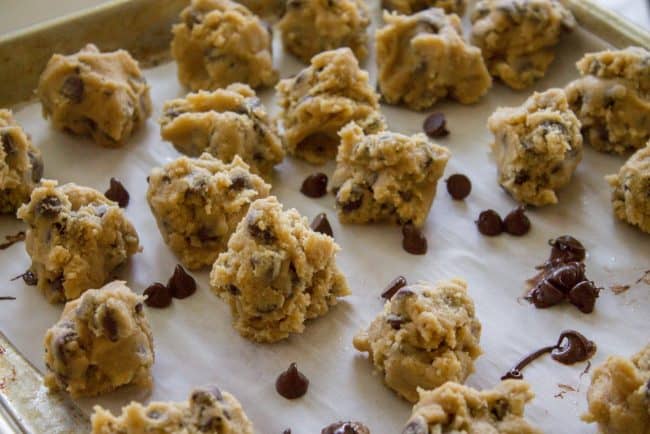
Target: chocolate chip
{"x": 73, "y": 88}
{"x": 315, "y": 185}
{"x": 292, "y": 384}
{"x": 516, "y": 222}
{"x": 416, "y": 426}
{"x": 138, "y": 308}
{"x": 233, "y": 290}
{"x": 573, "y": 347}
{"x": 239, "y": 182}
{"x": 345, "y": 428}
{"x": 28, "y": 277}
{"x": 395, "y": 321}
{"x": 584, "y": 295}
{"x": 435, "y": 125}
{"x": 489, "y": 223}
{"x": 545, "y": 294}
{"x": 49, "y": 207}
{"x": 566, "y": 276}
{"x": 262, "y": 235}
{"x": 413, "y": 241}
{"x": 37, "y": 167}
{"x": 395, "y": 285}
{"x": 459, "y": 186}
{"x": 8, "y": 143}
{"x": 181, "y": 284}
{"x": 321, "y": 224}
{"x": 499, "y": 409}
{"x": 351, "y": 205}
{"x": 110, "y": 327}
{"x": 158, "y": 295}
{"x": 117, "y": 193}
{"x": 566, "y": 249}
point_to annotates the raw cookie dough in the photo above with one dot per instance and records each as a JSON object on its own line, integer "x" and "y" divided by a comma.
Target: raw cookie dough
{"x": 631, "y": 190}
{"x": 224, "y": 123}
{"x": 408, "y": 7}
{"x": 426, "y": 335}
{"x": 518, "y": 37}
{"x": 454, "y": 408}
{"x": 219, "y": 42}
{"x": 386, "y": 176}
{"x": 207, "y": 411}
{"x": 76, "y": 238}
{"x": 612, "y": 99}
{"x": 423, "y": 58}
{"x": 312, "y": 26}
{"x": 102, "y": 341}
{"x": 101, "y": 95}
{"x": 277, "y": 273}
{"x": 537, "y": 147}
{"x": 619, "y": 395}
{"x": 198, "y": 203}
{"x": 21, "y": 164}
{"x": 321, "y": 99}
{"x": 268, "y": 9}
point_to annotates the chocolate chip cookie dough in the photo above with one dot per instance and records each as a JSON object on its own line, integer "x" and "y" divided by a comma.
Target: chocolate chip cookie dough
{"x": 208, "y": 410}
{"x": 76, "y": 238}
{"x": 101, "y": 95}
{"x": 537, "y": 147}
{"x": 454, "y": 408}
{"x": 219, "y": 42}
{"x": 198, "y": 203}
{"x": 631, "y": 190}
{"x": 224, "y": 123}
{"x": 426, "y": 335}
{"x": 102, "y": 341}
{"x": 21, "y": 164}
{"x": 321, "y": 99}
{"x": 312, "y": 26}
{"x": 612, "y": 99}
{"x": 518, "y": 37}
{"x": 386, "y": 176}
{"x": 619, "y": 395}
{"x": 408, "y": 7}
{"x": 277, "y": 273}
{"x": 423, "y": 58}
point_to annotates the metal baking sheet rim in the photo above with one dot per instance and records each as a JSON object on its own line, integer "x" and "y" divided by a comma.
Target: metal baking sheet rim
{"x": 142, "y": 27}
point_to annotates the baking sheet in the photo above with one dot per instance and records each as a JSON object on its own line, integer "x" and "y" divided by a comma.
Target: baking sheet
{"x": 195, "y": 343}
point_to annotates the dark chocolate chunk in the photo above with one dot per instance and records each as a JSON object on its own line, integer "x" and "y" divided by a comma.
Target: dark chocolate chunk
{"x": 117, "y": 193}
{"x": 49, "y": 207}
{"x": 395, "y": 321}
{"x": 413, "y": 241}
{"x": 566, "y": 249}
{"x": 292, "y": 384}
{"x": 435, "y": 125}
{"x": 499, "y": 409}
{"x": 573, "y": 347}
{"x": 321, "y": 224}
{"x": 315, "y": 185}
{"x": 110, "y": 327}
{"x": 517, "y": 222}
{"x": 181, "y": 284}
{"x": 395, "y": 285}
{"x": 37, "y": 167}
{"x": 351, "y": 205}
{"x": 489, "y": 223}
{"x": 8, "y": 143}
{"x": 158, "y": 295}
{"x": 73, "y": 88}
{"x": 263, "y": 235}
{"x": 239, "y": 182}
{"x": 345, "y": 428}
{"x": 459, "y": 186}
{"x": 584, "y": 295}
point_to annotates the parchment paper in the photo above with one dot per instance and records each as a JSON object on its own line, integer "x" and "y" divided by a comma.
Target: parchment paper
{"x": 195, "y": 343}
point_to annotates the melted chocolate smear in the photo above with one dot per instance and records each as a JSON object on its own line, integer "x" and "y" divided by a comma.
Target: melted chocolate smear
{"x": 435, "y": 125}
{"x": 292, "y": 384}
{"x": 117, "y": 193}
{"x": 314, "y": 185}
{"x": 181, "y": 284}
{"x": 28, "y": 277}
{"x": 413, "y": 241}
{"x": 7, "y": 298}
{"x": 345, "y": 428}
{"x": 571, "y": 347}
{"x": 565, "y": 249}
{"x": 12, "y": 239}
{"x": 158, "y": 295}
{"x": 322, "y": 224}
{"x": 395, "y": 285}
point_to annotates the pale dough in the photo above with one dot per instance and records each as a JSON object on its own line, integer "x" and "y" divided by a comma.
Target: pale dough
{"x": 277, "y": 273}
{"x": 101, "y": 95}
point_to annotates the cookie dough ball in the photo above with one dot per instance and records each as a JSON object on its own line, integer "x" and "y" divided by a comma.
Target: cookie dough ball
{"x": 198, "y": 204}
{"x": 76, "y": 238}
{"x": 537, "y": 147}
{"x": 219, "y": 42}
{"x": 408, "y": 7}
{"x": 224, "y": 123}
{"x": 386, "y": 176}
{"x": 277, "y": 273}
{"x": 208, "y": 410}
{"x": 619, "y": 395}
{"x": 102, "y": 341}
{"x": 518, "y": 37}
{"x": 21, "y": 164}
{"x": 101, "y": 95}
{"x": 423, "y": 58}
{"x": 426, "y": 335}
{"x": 612, "y": 99}
{"x": 454, "y": 408}
{"x": 269, "y": 9}
{"x": 323, "y": 98}
{"x": 631, "y": 190}
{"x": 312, "y": 26}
